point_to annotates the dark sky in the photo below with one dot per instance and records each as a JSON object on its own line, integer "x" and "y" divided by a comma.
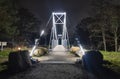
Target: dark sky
{"x": 76, "y": 9}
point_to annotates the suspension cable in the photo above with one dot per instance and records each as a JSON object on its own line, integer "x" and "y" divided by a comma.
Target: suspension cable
{"x": 48, "y": 21}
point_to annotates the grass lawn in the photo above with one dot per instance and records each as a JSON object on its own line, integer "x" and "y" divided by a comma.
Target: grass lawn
{"x": 3, "y": 58}
{"x": 114, "y": 60}
{"x": 2, "y": 61}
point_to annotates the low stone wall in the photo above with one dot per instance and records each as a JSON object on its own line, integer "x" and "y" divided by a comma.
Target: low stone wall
{"x": 19, "y": 61}
{"x": 92, "y": 61}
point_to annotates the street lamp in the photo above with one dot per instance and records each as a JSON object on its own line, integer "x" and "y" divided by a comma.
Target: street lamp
{"x": 36, "y": 43}
{"x": 42, "y": 32}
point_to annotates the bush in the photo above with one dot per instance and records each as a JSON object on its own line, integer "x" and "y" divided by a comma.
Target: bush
{"x": 40, "y": 52}
{"x": 74, "y": 49}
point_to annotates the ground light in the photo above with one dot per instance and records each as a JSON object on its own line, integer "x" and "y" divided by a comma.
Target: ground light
{"x": 83, "y": 52}
{"x": 19, "y": 48}
{"x": 36, "y": 43}
{"x": 80, "y": 46}
{"x": 42, "y": 32}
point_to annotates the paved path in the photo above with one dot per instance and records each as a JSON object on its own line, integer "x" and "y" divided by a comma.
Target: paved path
{"x": 58, "y": 55}
{"x": 54, "y": 71}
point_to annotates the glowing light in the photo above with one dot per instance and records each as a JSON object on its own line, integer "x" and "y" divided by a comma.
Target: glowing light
{"x": 42, "y": 32}
{"x": 19, "y": 48}
{"x": 59, "y": 13}
{"x": 33, "y": 49}
{"x": 36, "y": 43}
{"x": 83, "y": 52}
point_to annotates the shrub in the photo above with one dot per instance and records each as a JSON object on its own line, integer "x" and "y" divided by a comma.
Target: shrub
{"x": 40, "y": 51}
{"x": 74, "y": 49}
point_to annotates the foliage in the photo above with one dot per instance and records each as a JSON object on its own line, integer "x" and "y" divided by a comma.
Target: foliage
{"x": 8, "y": 11}
{"x": 40, "y": 52}
{"x": 28, "y": 22}
{"x": 27, "y": 25}
{"x": 103, "y": 27}
{"x": 74, "y": 49}
{"x": 16, "y": 22}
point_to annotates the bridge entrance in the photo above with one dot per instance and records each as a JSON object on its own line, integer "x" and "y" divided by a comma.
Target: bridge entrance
{"x": 59, "y": 40}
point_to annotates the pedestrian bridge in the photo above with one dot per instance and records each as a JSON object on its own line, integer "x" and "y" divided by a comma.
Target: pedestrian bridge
{"x": 59, "y": 42}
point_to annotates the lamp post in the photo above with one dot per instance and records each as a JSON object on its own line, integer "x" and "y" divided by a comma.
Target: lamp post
{"x": 36, "y": 43}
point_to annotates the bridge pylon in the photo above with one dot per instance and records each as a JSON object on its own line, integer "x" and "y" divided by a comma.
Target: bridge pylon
{"x": 59, "y": 33}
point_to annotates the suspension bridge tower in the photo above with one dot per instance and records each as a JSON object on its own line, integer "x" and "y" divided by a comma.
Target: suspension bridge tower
{"x": 59, "y": 33}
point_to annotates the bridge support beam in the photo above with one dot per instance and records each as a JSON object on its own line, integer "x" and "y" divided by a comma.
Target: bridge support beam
{"x": 59, "y": 34}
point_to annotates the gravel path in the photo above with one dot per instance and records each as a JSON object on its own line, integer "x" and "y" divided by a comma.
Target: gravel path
{"x": 54, "y": 71}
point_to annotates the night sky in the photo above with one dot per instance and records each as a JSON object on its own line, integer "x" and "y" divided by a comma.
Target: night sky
{"x": 76, "y": 9}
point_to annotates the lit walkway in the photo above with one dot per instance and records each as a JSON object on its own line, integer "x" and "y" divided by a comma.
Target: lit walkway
{"x": 58, "y": 55}
{"x": 54, "y": 71}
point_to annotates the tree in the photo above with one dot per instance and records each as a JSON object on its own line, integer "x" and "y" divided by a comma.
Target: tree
{"x": 8, "y": 11}
{"x": 16, "y": 22}
{"x": 96, "y": 30}
{"x": 27, "y": 25}
{"x": 104, "y": 25}
{"x": 100, "y": 9}
{"x": 114, "y": 24}
{"x": 84, "y": 33}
